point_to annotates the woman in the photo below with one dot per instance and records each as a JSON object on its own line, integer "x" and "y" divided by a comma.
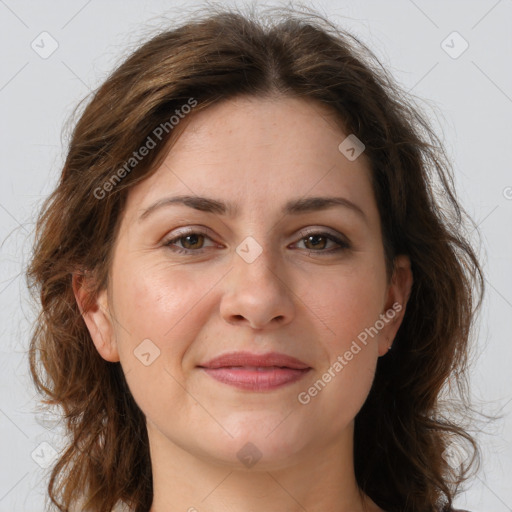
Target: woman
{"x": 251, "y": 298}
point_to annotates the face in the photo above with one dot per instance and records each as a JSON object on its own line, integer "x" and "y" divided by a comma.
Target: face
{"x": 263, "y": 268}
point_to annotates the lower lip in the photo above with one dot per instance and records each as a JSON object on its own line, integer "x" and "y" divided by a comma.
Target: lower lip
{"x": 256, "y": 380}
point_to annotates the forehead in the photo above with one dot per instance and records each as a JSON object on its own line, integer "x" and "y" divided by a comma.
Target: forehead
{"x": 258, "y": 151}
{"x": 263, "y": 125}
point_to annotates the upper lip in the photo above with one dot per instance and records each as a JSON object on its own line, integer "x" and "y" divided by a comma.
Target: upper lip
{"x": 256, "y": 360}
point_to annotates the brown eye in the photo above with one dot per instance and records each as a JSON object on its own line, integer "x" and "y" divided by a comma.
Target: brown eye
{"x": 315, "y": 241}
{"x": 188, "y": 242}
{"x": 192, "y": 241}
{"x": 318, "y": 241}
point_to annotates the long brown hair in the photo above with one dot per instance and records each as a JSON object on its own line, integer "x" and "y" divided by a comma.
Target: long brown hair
{"x": 402, "y": 433}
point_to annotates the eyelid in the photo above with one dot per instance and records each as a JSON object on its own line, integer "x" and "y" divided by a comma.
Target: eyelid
{"x": 340, "y": 240}
{"x": 316, "y": 230}
{"x": 188, "y": 230}
{"x": 185, "y": 230}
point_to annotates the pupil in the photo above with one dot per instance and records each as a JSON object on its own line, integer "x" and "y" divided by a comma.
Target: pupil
{"x": 314, "y": 237}
{"x": 193, "y": 237}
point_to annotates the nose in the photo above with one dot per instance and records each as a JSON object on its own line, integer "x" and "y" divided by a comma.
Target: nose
{"x": 257, "y": 294}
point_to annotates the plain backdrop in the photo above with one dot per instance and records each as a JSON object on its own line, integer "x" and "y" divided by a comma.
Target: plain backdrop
{"x": 454, "y": 55}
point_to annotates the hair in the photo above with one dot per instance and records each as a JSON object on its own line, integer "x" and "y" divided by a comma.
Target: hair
{"x": 403, "y": 431}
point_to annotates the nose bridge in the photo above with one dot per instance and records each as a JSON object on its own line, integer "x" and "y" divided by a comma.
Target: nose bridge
{"x": 257, "y": 262}
{"x": 256, "y": 288}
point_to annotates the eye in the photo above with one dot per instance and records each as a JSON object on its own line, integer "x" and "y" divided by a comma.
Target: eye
{"x": 191, "y": 241}
{"x": 316, "y": 241}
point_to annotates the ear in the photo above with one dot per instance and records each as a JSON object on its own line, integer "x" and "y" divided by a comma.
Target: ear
{"x": 399, "y": 290}
{"x": 96, "y": 315}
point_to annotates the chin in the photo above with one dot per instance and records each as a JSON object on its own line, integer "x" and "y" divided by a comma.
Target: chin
{"x": 261, "y": 448}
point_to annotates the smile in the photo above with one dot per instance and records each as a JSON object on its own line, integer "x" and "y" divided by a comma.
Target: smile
{"x": 256, "y": 378}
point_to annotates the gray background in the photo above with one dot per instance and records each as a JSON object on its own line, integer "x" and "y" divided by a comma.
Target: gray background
{"x": 468, "y": 98}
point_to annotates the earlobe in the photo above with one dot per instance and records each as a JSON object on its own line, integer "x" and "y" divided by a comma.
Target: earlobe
{"x": 95, "y": 312}
{"x": 399, "y": 291}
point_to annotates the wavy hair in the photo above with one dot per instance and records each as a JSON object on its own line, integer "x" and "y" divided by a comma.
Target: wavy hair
{"x": 403, "y": 432}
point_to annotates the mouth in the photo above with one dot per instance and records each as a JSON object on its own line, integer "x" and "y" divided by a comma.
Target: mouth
{"x": 255, "y": 372}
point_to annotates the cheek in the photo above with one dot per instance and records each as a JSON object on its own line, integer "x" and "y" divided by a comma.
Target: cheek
{"x": 347, "y": 302}
{"x": 348, "y": 305}
{"x": 157, "y": 300}
{"x": 160, "y": 312}
{"x": 339, "y": 392}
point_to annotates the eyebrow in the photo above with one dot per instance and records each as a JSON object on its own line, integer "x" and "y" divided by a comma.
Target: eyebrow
{"x": 292, "y": 207}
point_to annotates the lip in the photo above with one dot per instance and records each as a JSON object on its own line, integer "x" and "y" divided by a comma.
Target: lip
{"x": 256, "y": 372}
{"x": 255, "y": 360}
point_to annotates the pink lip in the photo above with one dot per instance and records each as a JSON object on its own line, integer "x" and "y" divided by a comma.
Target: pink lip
{"x": 256, "y": 372}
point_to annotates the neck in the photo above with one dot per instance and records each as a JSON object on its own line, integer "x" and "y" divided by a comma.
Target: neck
{"x": 319, "y": 478}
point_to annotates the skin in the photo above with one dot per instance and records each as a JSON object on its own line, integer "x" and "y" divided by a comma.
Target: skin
{"x": 293, "y": 298}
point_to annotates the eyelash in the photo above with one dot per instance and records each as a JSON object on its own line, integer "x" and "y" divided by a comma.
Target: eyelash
{"x": 343, "y": 245}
